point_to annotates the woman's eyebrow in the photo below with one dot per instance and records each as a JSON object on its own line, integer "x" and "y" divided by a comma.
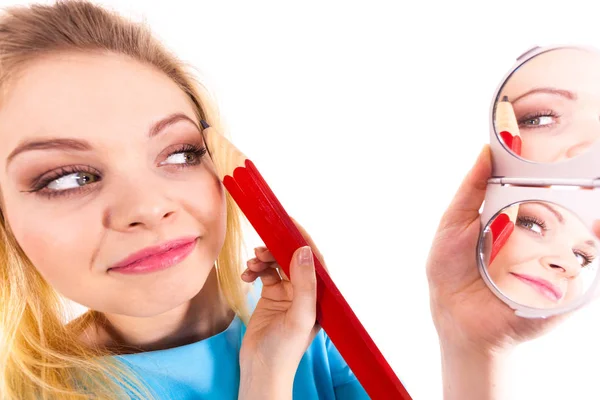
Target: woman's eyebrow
{"x": 553, "y": 210}
{"x": 561, "y": 219}
{"x": 548, "y": 90}
{"x": 83, "y": 145}
{"x": 48, "y": 144}
{"x": 161, "y": 125}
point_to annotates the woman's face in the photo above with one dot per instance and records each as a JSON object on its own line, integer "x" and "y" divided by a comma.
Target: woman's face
{"x": 541, "y": 263}
{"x": 102, "y": 157}
{"x": 556, "y": 99}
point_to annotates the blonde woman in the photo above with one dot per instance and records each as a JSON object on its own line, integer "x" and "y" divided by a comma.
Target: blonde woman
{"x": 111, "y": 198}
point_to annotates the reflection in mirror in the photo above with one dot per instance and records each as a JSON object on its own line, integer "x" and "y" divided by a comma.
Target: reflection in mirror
{"x": 540, "y": 255}
{"x": 548, "y": 109}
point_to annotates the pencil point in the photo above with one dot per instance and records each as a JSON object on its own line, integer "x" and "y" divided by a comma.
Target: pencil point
{"x": 505, "y": 98}
{"x": 204, "y": 124}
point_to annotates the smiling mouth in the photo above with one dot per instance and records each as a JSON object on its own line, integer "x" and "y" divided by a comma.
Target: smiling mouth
{"x": 156, "y": 258}
{"x": 542, "y": 286}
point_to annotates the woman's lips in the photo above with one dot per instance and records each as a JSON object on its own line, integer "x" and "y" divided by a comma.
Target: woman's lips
{"x": 155, "y": 258}
{"x": 544, "y": 287}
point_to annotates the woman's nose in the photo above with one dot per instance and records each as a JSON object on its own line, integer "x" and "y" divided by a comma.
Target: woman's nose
{"x": 566, "y": 265}
{"x": 139, "y": 205}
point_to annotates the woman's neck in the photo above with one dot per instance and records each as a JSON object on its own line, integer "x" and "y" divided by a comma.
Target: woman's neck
{"x": 205, "y": 315}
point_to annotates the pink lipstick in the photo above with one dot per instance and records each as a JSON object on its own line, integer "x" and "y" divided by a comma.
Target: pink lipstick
{"x": 544, "y": 287}
{"x": 156, "y": 258}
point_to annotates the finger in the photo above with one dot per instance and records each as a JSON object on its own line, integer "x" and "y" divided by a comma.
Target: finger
{"x": 263, "y": 254}
{"x": 304, "y": 284}
{"x": 269, "y": 277}
{"x": 257, "y": 265}
{"x": 465, "y": 205}
{"x": 249, "y": 276}
{"x": 311, "y": 243}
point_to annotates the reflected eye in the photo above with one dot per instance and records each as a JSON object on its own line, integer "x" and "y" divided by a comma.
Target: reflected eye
{"x": 546, "y": 120}
{"x": 538, "y": 120}
{"x": 72, "y": 181}
{"x": 583, "y": 258}
{"x": 532, "y": 224}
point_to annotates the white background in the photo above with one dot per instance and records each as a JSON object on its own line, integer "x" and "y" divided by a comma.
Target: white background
{"x": 364, "y": 117}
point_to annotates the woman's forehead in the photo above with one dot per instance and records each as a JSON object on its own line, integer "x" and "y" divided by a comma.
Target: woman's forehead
{"x": 570, "y": 69}
{"x": 87, "y": 95}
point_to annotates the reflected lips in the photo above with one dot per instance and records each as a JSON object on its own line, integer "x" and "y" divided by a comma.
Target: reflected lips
{"x": 546, "y": 288}
{"x": 155, "y": 258}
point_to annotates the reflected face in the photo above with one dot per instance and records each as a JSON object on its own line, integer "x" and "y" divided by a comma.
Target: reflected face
{"x": 102, "y": 157}
{"x": 556, "y": 101}
{"x": 541, "y": 263}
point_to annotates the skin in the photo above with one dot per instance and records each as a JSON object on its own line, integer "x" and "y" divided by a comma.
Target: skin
{"x": 561, "y": 120}
{"x": 143, "y": 194}
{"x": 550, "y": 244}
{"x": 477, "y": 331}
{"x": 137, "y": 190}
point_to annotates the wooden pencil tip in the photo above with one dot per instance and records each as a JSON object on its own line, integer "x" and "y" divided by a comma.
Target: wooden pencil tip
{"x": 228, "y": 157}
{"x": 505, "y": 98}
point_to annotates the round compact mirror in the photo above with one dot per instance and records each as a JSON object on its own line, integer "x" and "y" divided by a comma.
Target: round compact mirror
{"x": 548, "y": 109}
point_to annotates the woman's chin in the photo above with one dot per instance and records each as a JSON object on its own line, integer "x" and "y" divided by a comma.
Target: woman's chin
{"x": 161, "y": 296}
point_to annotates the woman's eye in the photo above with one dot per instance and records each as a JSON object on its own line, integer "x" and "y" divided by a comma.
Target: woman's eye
{"x": 186, "y": 155}
{"x": 532, "y": 226}
{"x": 183, "y": 157}
{"x": 72, "y": 181}
{"x": 584, "y": 259}
{"x": 539, "y": 121}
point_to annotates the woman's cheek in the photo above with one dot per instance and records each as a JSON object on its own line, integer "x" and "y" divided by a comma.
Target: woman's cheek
{"x": 58, "y": 247}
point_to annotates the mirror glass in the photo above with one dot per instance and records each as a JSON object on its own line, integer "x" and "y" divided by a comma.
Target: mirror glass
{"x": 548, "y": 109}
{"x": 539, "y": 254}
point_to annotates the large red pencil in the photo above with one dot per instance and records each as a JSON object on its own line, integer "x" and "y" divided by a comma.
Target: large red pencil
{"x": 265, "y": 213}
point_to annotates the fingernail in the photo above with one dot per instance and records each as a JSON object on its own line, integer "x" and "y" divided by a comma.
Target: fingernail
{"x": 305, "y": 256}
{"x": 245, "y": 273}
{"x": 204, "y": 124}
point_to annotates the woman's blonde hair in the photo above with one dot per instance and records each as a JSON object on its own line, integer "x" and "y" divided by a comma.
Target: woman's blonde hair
{"x": 42, "y": 357}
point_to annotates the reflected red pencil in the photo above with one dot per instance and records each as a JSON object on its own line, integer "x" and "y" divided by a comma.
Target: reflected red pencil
{"x": 265, "y": 213}
{"x": 507, "y": 126}
{"x": 501, "y": 228}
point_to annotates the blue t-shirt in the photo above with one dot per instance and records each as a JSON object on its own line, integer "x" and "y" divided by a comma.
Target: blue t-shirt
{"x": 209, "y": 369}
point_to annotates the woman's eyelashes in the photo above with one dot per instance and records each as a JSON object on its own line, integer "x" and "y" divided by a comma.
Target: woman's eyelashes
{"x": 532, "y": 223}
{"x": 538, "y": 119}
{"x": 583, "y": 257}
{"x": 64, "y": 180}
{"x": 185, "y": 155}
{"x": 74, "y": 179}
{"x": 538, "y": 226}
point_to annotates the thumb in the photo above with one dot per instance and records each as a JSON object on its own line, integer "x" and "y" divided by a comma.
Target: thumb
{"x": 464, "y": 208}
{"x": 304, "y": 283}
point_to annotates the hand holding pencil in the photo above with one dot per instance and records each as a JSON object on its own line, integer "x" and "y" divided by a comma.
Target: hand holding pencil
{"x": 282, "y": 237}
